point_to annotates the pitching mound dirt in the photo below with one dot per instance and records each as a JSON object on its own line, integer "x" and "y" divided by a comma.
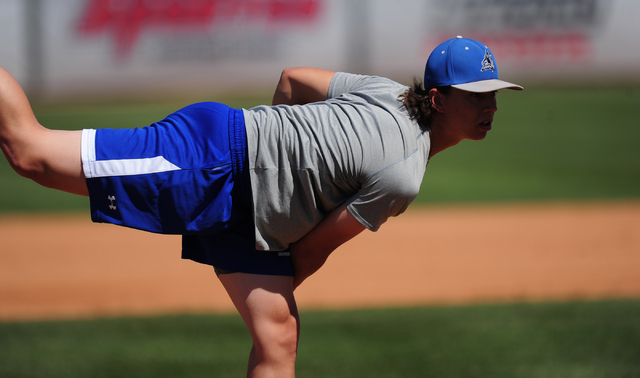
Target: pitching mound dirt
{"x": 64, "y": 266}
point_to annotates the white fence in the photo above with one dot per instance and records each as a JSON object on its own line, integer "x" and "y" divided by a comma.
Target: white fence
{"x": 61, "y": 48}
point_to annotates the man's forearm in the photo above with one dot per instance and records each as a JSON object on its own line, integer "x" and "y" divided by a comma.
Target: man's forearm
{"x": 311, "y": 252}
{"x": 307, "y": 261}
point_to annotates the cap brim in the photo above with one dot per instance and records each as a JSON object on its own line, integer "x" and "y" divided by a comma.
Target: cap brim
{"x": 487, "y": 86}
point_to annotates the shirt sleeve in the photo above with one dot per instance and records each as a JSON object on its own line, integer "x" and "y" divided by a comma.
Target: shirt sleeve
{"x": 386, "y": 193}
{"x": 343, "y": 82}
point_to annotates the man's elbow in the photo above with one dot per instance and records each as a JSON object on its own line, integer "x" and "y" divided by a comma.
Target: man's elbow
{"x": 283, "y": 93}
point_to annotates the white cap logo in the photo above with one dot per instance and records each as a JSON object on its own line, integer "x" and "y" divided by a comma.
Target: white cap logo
{"x": 487, "y": 62}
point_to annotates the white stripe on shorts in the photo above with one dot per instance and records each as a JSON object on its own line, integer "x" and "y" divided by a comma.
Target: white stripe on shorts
{"x": 120, "y": 167}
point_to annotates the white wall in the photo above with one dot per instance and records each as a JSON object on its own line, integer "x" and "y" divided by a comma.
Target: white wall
{"x": 246, "y": 47}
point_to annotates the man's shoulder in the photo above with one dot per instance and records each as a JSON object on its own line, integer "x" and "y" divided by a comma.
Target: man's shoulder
{"x": 343, "y": 82}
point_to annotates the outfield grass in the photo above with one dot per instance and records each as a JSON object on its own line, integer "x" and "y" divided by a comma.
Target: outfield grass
{"x": 547, "y": 144}
{"x": 578, "y": 339}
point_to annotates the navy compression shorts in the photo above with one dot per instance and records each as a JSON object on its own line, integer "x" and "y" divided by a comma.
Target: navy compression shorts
{"x": 187, "y": 174}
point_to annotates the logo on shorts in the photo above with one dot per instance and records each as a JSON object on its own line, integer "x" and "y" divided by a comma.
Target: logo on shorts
{"x": 487, "y": 62}
{"x": 284, "y": 254}
{"x": 112, "y": 199}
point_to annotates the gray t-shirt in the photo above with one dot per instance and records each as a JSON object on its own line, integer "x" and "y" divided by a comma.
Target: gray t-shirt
{"x": 358, "y": 147}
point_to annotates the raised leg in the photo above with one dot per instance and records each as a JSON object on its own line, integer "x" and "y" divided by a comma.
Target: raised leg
{"x": 267, "y": 306}
{"x": 49, "y": 157}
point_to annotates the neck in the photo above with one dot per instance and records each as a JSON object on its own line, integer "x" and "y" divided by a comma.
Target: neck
{"x": 441, "y": 139}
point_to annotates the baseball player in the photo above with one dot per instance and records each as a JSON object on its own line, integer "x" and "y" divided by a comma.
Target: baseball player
{"x": 265, "y": 195}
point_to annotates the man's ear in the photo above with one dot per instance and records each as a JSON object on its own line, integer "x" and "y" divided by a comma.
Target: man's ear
{"x": 435, "y": 97}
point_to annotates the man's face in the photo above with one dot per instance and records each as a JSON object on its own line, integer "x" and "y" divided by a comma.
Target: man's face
{"x": 469, "y": 114}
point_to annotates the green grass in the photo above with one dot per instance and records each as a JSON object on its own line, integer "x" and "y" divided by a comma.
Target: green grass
{"x": 577, "y": 339}
{"x": 547, "y": 144}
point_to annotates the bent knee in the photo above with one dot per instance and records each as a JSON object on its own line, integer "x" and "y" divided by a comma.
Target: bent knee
{"x": 22, "y": 150}
{"x": 50, "y": 158}
{"x": 34, "y": 169}
{"x": 287, "y": 338}
{"x": 25, "y": 162}
{"x": 278, "y": 341}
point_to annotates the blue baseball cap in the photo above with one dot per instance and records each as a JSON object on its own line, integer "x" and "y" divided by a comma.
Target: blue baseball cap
{"x": 465, "y": 64}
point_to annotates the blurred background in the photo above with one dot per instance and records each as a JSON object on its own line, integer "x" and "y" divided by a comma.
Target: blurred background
{"x": 126, "y": 63}
{"x": 61, "y": 49}
{"x": 571, "y": 137}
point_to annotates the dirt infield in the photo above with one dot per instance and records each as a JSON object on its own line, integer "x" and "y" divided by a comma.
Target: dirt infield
{"x": 64, "y": 266}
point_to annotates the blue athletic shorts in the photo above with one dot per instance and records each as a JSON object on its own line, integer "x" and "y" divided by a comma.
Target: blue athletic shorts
{"x": 187, "y": 175}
